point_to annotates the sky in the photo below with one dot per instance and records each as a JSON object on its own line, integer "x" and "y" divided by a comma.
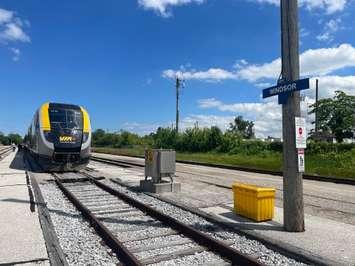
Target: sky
{"x": 119, "y": 59}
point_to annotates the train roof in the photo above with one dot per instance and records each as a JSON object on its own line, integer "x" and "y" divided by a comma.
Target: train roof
{"x": 64, "y": 106}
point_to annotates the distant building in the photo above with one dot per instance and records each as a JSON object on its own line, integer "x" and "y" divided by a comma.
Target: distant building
{"x": 322, "y": 136}
{"x": 328, "y": 137}
{"x": 272, "y": 139}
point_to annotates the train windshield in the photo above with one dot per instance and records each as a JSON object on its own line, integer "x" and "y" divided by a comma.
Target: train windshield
{"x": 66, "y": 118}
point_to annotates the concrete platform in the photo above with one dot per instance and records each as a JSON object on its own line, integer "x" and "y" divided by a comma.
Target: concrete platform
{"x": 329, "y": 208}
{"x": 21, "y": 238}
{"x": 149, "y": 186}
{"x": 324, "y": 238}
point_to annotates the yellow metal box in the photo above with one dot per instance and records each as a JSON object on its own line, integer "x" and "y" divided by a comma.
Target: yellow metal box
{"x": 256, "y": 203}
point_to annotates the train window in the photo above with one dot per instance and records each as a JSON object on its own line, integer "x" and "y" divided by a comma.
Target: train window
{"x": 65, "y": 118}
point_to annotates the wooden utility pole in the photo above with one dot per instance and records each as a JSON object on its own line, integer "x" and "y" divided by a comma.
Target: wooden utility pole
{"x": 316, "y": 113}
{"x": 178, "y": 81}
{"x": 292, "y": 183}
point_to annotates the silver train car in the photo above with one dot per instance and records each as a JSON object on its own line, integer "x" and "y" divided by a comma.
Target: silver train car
{"x": 59, "y": 137}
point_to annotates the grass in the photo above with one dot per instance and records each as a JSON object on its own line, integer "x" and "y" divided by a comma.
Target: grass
{"x": 341, "y": 165}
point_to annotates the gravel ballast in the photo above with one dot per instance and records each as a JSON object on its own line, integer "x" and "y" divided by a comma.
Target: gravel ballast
{"x": 241, "y": 243}
{"x": 142, "y": 230}
{"x": 79, "y": 241}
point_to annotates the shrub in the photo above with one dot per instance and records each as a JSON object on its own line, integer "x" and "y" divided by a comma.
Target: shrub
{"x": 326, "y": 147}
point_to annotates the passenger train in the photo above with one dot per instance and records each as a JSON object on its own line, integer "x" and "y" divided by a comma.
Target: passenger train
{"x": 59, "y": 137}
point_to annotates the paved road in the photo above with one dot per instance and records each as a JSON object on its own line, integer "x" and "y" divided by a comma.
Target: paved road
{"x": 328, "y": 200}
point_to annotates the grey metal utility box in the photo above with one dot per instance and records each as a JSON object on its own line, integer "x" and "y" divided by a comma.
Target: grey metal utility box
{"x": 159, "y": 163}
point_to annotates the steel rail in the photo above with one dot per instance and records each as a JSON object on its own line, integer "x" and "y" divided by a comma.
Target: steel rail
{"x": 118, "y": 163}
{"x": 55, "y": 252}
{"x": 201, "y": 238}
{"x": 121, "y": 251}
{"x": 346, "y": 181}
{"x": 4, "y": 151}
{"x": 282, "y": 248}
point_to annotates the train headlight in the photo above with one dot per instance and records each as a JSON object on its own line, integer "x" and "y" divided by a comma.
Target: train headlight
{"x": 85, "y": 137}
{"x": 48, "y": 135}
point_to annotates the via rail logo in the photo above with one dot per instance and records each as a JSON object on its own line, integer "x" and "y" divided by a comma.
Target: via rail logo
{"x": 66, "y": 139}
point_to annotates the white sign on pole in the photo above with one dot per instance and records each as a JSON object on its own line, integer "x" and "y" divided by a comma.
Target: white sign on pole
{"x": 300, "y": 160}
{"x": 301, "y": 134}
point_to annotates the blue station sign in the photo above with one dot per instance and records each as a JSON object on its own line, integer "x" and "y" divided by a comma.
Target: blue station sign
{"x": 283, "y": 90}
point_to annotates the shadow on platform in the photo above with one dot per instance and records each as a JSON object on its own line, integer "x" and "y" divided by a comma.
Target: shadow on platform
{"x": 247, "y": 224}
{"x": 14, "y": 185}
{"x": 19, "y": 201}
{"x": 18, "y": 163}
{"x": 58, "y": 212}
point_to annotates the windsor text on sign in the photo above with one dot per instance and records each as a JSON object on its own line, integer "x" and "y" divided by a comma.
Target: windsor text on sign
{"x": 291, "y": 86}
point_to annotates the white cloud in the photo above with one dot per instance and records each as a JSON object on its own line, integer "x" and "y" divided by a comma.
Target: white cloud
{"x": 256, "y": 72}
{"x": 11, "y": 28}
{"x": 250, "y": 110}
{"x": 240, "y": 63}
{"x": 263, "y": 85}
{"x": 212, "y": 74}
{"x": 327, "y": 60}
{"x": 330, "y": 28}
{"x": 5, "y": 15}
{"x": 314, "y": 62}
{"x": 163, "y": 7}
{"x": 16, "y": 53}
{"x": 206, "y": 121}
{"x": 329, "y": 84}
{"x": 12, "y": 31}
{"x": 189, "y": 121}
{"x": 304, "y": 32}
{"x": 267, "y": 115}
{"x": 141, "y": 128}
{"x": 330, "y": 6}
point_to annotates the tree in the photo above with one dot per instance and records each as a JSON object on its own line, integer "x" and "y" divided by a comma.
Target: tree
{"x": 241, "y": 127}
{"x": 97, "y": 137}
{"x": 214, "y": 138}
{"x": 11, "y": 138}
{"x": 336, "y": 115}
{"x": 15, "y": 138}
{"x": 165, "y": 138}
{"x": 3, "y": 139}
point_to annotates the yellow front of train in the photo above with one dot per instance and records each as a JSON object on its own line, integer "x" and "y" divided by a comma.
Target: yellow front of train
{"x": 64, "y": 137}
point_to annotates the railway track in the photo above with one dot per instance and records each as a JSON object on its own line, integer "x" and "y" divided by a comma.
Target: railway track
{"x": 123, "y": 163}
{"x": 4, "y": 151}
{"x": 288, "y": 252}
{"x": 127, "y": 164}
{"x": 142, "y": 235}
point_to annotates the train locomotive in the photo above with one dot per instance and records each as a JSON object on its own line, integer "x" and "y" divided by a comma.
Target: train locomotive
{"x": 59, "y": 137}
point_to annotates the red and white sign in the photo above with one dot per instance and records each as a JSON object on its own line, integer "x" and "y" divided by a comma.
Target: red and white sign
{"x": 301, "y": 134}
{"x": 300, "y": 160}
